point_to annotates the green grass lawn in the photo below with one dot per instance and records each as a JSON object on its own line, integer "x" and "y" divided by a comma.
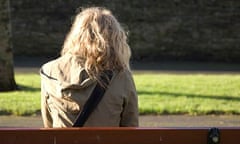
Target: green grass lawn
{"x": 25, "y": 101}
{"x": 188, "y": 94}
{"x": 192, "y": 94}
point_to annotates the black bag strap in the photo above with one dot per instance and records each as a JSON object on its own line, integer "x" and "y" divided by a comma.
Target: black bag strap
{"x": 93, "y": 100}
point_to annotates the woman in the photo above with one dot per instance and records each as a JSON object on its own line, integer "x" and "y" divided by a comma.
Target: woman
{"x": 95, "y": 44}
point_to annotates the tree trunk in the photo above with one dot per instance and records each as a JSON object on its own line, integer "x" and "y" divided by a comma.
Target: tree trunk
{"x": 7, "y": 81}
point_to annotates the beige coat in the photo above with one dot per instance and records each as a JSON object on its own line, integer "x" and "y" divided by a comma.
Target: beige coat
{"x": 65, "y": 87}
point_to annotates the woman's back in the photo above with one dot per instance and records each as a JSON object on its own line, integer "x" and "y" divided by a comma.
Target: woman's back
{"x": 96, "y": 43}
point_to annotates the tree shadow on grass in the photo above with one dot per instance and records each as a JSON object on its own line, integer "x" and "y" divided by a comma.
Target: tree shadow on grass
{"x": 27, "y": 88}
{"x": 5, "y": 112}
{"x": 226, "y": 97}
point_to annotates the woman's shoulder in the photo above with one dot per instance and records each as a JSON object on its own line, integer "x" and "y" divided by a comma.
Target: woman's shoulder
{"x": 123, "y": 81}
{"x": 54, "y": 64}
{"x": 63, "y": 66}
{"x": 125, "y": 75}
{"x": 50, "y": 64}
{"x": 126, "y": 72}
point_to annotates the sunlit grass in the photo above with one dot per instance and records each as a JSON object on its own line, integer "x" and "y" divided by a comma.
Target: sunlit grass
{"x": 188, "y": 94}
{"x": 158, "y": 94}
{"x": 25, "y": 101}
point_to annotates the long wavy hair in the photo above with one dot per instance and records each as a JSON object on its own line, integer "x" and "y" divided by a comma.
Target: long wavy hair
{"x": 99, "y": 40}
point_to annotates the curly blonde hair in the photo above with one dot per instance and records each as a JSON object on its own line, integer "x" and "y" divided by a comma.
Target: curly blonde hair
{"x": 98, "y": 38}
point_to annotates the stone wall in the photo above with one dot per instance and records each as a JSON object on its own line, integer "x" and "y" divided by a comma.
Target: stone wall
{"x": 202, "y": 30}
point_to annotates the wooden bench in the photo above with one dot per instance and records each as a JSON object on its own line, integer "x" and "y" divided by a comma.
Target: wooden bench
{"x": 225, "y": 135}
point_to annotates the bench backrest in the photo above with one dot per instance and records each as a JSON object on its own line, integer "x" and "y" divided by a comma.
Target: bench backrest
{"x": 116, "y": 136}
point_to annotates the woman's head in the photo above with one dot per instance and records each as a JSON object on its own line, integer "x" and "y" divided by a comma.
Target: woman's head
{"x": 97, "y": 37}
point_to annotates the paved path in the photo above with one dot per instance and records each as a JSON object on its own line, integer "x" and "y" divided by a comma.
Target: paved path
{"x": 145, "y": 121}
{"x": 32, "y": 64}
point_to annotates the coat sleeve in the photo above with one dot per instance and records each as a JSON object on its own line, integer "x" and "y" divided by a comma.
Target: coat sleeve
{"x": 130, "y": 109}
{"x": 46, "y": 117}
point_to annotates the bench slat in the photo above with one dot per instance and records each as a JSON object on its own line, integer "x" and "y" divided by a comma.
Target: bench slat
{"x": 115, "y": 136}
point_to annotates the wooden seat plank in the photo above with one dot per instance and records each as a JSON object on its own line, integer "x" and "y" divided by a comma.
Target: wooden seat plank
{"x": 115, "y": 136}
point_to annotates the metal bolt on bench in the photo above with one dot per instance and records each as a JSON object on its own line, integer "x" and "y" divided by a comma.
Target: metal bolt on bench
{"x": 214, "y": 136}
